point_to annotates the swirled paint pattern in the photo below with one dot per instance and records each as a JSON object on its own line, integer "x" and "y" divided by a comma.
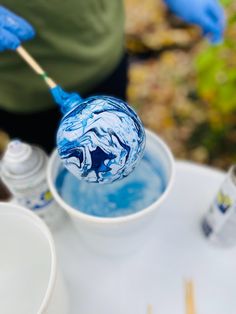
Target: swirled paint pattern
{"x": 101, "y": 140}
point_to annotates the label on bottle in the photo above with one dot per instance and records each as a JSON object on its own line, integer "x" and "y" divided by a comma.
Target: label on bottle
{"x": 36, "y": 199}
{"x": 40, "y": 201}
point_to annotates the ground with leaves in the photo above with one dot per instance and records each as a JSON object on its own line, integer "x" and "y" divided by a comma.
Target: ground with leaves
{"x": 182, "y": 87}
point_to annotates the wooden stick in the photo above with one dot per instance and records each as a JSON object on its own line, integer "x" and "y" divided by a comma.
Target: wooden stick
{"x": 189, "y": 297}
{"x": 149, "y": 309}
{"x": 35, "y": 66}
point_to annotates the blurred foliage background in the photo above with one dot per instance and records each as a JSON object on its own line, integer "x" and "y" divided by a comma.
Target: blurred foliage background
{"x": 183, "y": 88}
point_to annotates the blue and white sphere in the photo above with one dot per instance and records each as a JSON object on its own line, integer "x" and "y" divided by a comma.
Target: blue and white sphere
{"x": 101, "y": 139}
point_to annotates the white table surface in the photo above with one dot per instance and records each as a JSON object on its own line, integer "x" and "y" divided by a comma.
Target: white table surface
{"x": 176, "y": 250}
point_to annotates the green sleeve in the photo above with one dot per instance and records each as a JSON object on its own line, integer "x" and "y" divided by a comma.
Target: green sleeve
{"x": 78, "y": 42}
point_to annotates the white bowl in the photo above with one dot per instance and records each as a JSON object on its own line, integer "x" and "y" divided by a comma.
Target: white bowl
{"x": 123, "y": 233}
{"x": 30, "y": 282}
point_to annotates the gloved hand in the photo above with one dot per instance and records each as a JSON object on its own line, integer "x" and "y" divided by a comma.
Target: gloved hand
{"x": 13, "y": 30}
{"x": 208, "y": 14}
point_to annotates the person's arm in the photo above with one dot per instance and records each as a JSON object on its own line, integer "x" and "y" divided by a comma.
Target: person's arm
{"x": 13, "y": 30}
{"x": 208, "y": 14}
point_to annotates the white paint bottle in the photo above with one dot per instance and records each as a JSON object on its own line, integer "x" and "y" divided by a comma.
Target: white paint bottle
{"x": 23, "y": 170}
{"x": 219, "y": 223}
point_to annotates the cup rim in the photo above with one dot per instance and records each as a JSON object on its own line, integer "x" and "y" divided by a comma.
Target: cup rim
{"x": 120, "y": 219}
{"x": 18, "y": 210}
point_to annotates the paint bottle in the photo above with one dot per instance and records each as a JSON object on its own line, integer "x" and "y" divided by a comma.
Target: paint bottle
{"x": 219, "y": 224}
{"x": 23, "y": 170}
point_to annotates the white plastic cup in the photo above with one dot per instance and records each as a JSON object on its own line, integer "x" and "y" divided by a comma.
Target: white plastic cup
{"x": 30, "y": 282}
{"x": 124, "y": 234}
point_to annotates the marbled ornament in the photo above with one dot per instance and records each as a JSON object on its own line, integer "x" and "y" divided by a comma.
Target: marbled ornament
{"x": 101, "y": 139}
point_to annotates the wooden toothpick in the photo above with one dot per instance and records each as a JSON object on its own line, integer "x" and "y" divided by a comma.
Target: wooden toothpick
{"x": 189, "y": 297}
{"x": 35, "y": 66}
{"x": 149, "y": 309}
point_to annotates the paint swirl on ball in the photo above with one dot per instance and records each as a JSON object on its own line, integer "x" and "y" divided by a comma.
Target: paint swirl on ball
{"x": 101, "y": 140}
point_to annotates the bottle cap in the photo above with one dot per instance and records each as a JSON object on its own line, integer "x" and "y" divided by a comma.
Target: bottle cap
{"x": 19, "y": 158}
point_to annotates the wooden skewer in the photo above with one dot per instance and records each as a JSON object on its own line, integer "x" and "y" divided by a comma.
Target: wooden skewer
{"x": 35, "y": 66}
{"x": 189, "y": 297}
{"x": 149, "y": 309}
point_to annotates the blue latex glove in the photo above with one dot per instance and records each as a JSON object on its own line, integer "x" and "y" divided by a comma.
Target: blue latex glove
{"x": 13, "y": 30}
{"x": 208, "y": 14}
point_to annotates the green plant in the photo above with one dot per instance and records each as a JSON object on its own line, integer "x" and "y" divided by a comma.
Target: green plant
{"x": 216, "y": 88}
